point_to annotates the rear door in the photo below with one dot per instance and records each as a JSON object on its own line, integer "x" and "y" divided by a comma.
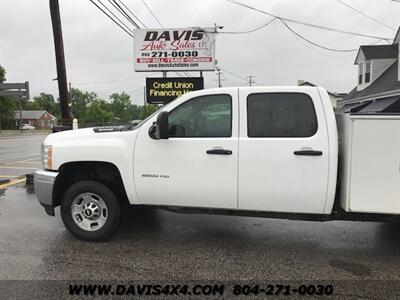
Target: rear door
{"x": 283, "y": 150}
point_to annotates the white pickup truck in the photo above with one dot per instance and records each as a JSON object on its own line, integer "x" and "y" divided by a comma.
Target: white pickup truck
{"x": 249, "y": 151}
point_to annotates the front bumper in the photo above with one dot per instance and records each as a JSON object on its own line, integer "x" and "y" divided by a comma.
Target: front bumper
{"x": 43, "y": 182}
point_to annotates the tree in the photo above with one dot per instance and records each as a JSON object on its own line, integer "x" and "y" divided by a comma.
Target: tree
{"x": 90, "y": 110}
{"x": 80, "y": 102}
{"x": 31, "y": 105}
{"x": 148, "y": 110}
{"x": 135, "y": 111}
{"x": 46, "y": 102}
{"x": 121, "y": 106}
{"x": 8, "y": 106}
{"x": 98, "y": 114}
{"x": 2, "y": 74}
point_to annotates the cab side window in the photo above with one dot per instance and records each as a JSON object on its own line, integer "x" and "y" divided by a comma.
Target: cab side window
{"x": 280, "y": 115}
{"x": 204, "y": 116}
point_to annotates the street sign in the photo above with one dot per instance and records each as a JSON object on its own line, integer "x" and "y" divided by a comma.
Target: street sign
{"x": 20, "y": 90}
{"x": 180, "y": 49}
{"x": 164, "y": 90}
{"x": 12, "y": 86}
{"x": 12, "y": 93}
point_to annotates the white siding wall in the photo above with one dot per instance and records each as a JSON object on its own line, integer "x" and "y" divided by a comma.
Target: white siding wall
{"x": 378, "y": 66}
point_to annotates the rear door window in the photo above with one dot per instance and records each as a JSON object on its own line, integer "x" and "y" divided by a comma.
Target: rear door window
{"x": 280, "y": 115}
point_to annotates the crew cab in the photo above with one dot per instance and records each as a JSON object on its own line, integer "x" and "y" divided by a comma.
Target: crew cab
{"x": 250, "y": 151}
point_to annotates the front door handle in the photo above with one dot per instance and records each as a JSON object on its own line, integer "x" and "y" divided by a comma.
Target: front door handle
{"x": 219, "y": 151}
{"x": 308, "y": 152}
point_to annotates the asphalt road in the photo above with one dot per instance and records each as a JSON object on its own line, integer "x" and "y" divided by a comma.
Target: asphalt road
{"x": 164, "y": 246}
{"x": 19, "y": 155}
{"x": 359, "y": 259}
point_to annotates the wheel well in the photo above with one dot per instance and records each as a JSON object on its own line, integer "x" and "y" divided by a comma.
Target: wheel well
{"x": 103, "y": 172}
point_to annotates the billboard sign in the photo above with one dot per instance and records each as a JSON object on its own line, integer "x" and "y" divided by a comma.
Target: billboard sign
{"x": 20, "y": 90}
{"x": 188, "y": 49}
{"x": 164, "y": 90}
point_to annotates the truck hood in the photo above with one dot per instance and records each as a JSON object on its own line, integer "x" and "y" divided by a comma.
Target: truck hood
{"x": 69, "y": 135}
{"x": 85, "y": 134}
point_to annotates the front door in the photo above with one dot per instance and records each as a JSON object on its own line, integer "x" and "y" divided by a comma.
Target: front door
{"x": 197, "y": 165}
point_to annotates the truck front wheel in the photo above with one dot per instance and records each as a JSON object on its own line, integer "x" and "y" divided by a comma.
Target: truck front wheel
{"x": 90, "y": 211}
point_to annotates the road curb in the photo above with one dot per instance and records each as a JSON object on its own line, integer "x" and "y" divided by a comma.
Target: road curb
{"x": 15, "y": 181}
{"x": 4, "y": 181}
{"x": 13, "y": 137}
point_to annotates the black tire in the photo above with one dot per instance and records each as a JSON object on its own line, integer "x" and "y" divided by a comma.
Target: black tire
{"x": 113, "y": 221}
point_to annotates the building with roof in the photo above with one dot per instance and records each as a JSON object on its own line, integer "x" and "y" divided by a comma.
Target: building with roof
{"x": 378, "y": 80}
{"x": 334, "y": 96}
{"x": 41, "y": 119}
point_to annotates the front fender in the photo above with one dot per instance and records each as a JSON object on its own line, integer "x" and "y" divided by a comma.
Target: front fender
{"x": 115, "y": 148}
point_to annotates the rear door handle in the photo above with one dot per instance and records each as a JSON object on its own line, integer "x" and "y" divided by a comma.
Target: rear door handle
{"x": 219, "y": 151}
{"x": 308, "y": 152}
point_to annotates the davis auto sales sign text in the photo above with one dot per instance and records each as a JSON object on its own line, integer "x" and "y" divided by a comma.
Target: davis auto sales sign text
{"x": 187, "y": 49}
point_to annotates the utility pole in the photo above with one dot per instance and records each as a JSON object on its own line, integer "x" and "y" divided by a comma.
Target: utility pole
{"x": 144, "y": 96}
{"x": 219, "y": 79}
{"x": 20, "y": 115}
{"x": 60, "y": 62}
{"x": 251, "y": 79}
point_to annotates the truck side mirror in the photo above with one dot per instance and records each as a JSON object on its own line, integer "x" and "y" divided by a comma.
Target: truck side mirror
{"x": 163, "y": 125}
{"x": 160, "y": 129}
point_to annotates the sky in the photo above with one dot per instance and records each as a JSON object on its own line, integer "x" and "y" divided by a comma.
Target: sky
{"x": 99, "y": 55}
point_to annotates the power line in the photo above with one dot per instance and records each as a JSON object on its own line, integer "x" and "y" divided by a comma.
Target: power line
{"x": 250, "y": 30}
{"x": 109, "y": 10}
{"x": 246, "y": 79}
{"x": 237, "y": 83}
{"x": 123, "y": 12}
{"x": 119, "y": 25}
{"x": 329, "y": 55}
{"x": 251, "y": 80}
{"x": 126, "y": 7}
{"x": 364, "y": 14}
{"x": 129, "y": 33}
{"x": 151, "y": 12}
{"x": 159, "y": 23}
{"x": 324, "y": 53}
{"x": 233, "y": 74}
{"x": 315, "y": 44}
{"x": 305, "y": 23}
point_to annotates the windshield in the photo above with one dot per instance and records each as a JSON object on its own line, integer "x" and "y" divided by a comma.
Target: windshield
{"x": 149, "y": 117}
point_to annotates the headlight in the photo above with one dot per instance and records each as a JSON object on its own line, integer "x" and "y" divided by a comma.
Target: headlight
{"x": 47, "y": 162}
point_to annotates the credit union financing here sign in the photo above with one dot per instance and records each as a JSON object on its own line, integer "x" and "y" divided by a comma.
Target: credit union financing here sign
{"x": 164, "y": 90}
{"x": 174, "y": 49}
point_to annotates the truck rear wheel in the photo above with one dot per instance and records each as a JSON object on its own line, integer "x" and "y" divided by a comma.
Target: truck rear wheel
{"x": 90, "y": 211}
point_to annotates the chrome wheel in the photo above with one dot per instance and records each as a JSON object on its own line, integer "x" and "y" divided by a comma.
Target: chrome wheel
{"x": 89, "y": 211}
